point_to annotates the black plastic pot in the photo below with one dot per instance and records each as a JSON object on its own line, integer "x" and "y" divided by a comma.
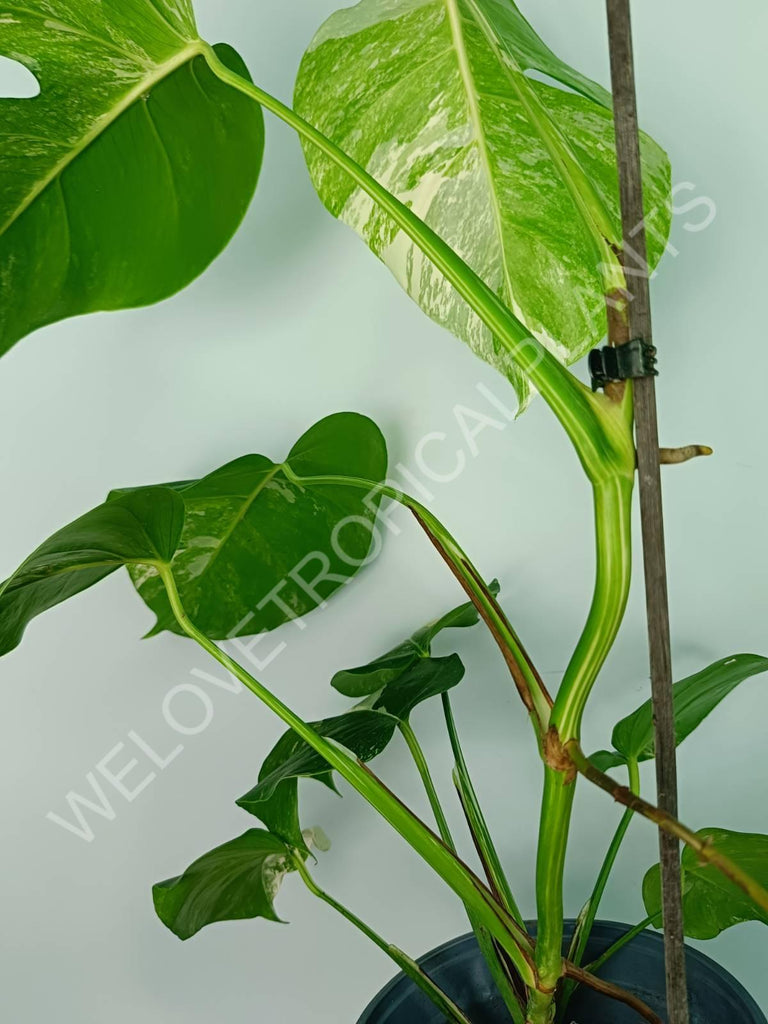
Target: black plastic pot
{"x": 458, "y": 967}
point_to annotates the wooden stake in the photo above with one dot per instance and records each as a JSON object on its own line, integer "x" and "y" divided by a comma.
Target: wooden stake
{"x": 647, "y": 440}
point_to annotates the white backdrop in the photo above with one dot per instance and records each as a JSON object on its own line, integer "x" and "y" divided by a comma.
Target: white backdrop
{"x": 297, "y": 320}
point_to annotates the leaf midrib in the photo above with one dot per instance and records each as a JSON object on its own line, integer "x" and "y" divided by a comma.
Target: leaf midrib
{"x": 242, "y": 513}
{"x": 470, "y": 88}
{"x": 595, "y": 230}
{"x": 194, "y": 49}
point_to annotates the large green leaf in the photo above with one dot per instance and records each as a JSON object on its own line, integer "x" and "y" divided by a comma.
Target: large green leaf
{"x": 255, "y": 541}
{"x": 250, "y": 547}
{"x": 712, "y": 903}
{"x": 376, "y": 674}
{"x": 694, "y": 698}
{"x": 434, "y": 98}
{"x": 237, "y": 881}
{"x": 366, "y": 731}
{"x": 130, "y": 171}
{"x": 140, "y": 528}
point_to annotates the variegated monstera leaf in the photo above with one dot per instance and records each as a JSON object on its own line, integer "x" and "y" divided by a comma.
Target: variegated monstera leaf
{"x": 437, "y": 100}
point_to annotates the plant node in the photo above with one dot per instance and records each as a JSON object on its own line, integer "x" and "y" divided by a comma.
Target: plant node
{"x": 556, "y": 755}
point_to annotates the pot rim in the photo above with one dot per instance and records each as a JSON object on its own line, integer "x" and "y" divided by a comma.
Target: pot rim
{"x": 646, "y": 938}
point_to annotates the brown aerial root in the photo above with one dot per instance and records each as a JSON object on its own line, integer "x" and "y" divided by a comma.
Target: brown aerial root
{"x": 674, "y": 456}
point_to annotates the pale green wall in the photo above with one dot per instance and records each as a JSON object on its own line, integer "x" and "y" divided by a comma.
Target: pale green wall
{"x": 297, "y": 320}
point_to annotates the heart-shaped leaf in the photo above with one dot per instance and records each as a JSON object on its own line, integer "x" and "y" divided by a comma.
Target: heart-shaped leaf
{"x": 260, "y": 548}
{"x": 694, "y": 698}
{"x": 435, "y": 99}
{"x": 131, "y": 170}
{"x": 376, "y": 674}
{"x": 250, "y": 546}
{"x": 140, "y": 528}
{"x": 711, "y": 902}
{"x": 237, "y": 881}
{"x": 366, "y": 731}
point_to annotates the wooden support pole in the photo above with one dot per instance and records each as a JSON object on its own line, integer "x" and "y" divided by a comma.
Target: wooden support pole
{"x": 647, "y": 441}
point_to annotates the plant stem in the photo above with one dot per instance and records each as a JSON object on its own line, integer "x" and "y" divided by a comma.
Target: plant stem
{"x": 590, "y": 910}
{"x": 527, "y": 680}
{"x": 626, "y": 938}
{"x": 445, "y": 863}
{"x": 556, "y": 808}
{"x": 613, "y": 572}
{"x": 426, "y": 777}
{"x": 408, "y": 966}
{"x": 578, "y": 410}
{"x": 478, "y": 826}
{"x": 529, "y": 683}
{"x": 613, "y": 529}
{"x": 489, "y": 948}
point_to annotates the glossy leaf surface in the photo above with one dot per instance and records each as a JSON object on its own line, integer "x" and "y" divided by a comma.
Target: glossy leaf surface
{"x": 142, "y": 527}
{"x": 366, "y": 731}
{"x": 258, "y": 548}
{"x": 238, "y": 880}
{"x": 695, "y": 697}
{"x": 711, "y": 902}
{"x": 131, "y": 170}
{"x": 435, "y": 98}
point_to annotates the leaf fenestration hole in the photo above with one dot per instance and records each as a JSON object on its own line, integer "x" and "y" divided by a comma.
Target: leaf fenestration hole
{"x": 16, "y": 81}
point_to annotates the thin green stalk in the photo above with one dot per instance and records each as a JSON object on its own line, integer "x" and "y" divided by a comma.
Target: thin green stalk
{"x": 464, "y": 570}
{"x": 426, "y": 777}
{"x": 588, "y": 915}
{"x": 445, "y": 863}
{"x": 408, "y": 966}
{"x": 613, "y": 544}
{"x": 478, "y": 824}
{"x": 705, "y": 851}
{"x": 485, "y": 941}
{"x": 578, "y": 410}
{"x": 627, "y": 937}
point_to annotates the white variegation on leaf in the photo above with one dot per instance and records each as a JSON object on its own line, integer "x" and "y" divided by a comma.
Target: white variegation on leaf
{"x": 435, "y": 99}
{"x": 129, "y": 172}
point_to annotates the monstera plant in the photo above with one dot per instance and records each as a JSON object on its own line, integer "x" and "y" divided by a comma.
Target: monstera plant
{"x": 480, "y": 168}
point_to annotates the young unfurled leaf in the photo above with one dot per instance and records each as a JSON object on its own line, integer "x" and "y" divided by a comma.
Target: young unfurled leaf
{"x": 376, "y": 674}
{"x": 258, "y": 548}
{"x": 694, "y": 698}
{"x": 140, "y": 528}
{"x": 711, "y": 902}
{"x": 237, "y": 881}
{"x": 434, "y": 99}
{"x": 131, "y": 170}
{"x": 366, "y": 731}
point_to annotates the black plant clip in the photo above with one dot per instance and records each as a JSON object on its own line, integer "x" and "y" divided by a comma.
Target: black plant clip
{"x": 637, "y": 358}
